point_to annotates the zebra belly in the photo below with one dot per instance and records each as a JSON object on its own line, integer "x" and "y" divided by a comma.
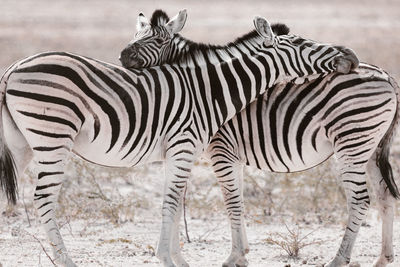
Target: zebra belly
{"x": 96, "y": 151}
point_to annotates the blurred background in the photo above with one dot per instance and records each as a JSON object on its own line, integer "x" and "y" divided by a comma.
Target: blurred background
{"x": 101, "y": 28}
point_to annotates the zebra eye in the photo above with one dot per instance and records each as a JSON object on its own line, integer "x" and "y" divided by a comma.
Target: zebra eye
{"x": 159, "y": 40}
{"x": 297, "y": 41}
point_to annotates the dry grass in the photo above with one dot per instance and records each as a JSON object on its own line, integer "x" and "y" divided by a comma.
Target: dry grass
{"x": 292, "y": 241}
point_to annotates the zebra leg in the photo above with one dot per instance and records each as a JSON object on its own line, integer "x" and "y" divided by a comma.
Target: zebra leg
{"x": 386, "y": 209}
{"x": 175, "y": 248}
{"x": 230, "y": 177}
{"x": 354, "y": 182}
{"x": 50, "y": 171}
{"x": 16, "y": 142}
{"x": 180, "y": 156}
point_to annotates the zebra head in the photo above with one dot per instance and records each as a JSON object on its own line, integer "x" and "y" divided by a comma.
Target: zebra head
{"x": 152, "y": 44}
{"x": 309, "y": 55}
{"x": 157, "y": 43}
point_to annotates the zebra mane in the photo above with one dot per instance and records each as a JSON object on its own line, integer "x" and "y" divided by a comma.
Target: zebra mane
{"x": 192, "y": 49}
{"x": 159, "y": 18}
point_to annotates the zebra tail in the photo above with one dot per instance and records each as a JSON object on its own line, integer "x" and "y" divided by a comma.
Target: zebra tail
{"x": 8, "y": 174}
{"x": 383, "y": 151}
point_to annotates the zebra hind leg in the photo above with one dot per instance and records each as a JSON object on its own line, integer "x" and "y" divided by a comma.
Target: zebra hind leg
{"x": 386, "y": 204}
{"x": 50, "y": 163}
{"x": 353, "y": 178}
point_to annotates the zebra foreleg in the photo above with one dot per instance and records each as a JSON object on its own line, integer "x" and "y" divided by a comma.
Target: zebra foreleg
{"x": 230, "y": 178}
{"x": 386, "y": 209}
{"x": 178, "y": 164}
{"x": 175, "y": 246}
{"x": 50, "y": 172}
{"x": 354, "y": 183}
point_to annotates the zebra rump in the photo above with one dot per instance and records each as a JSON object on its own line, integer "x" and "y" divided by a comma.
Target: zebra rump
{"x": 383, "y": 150}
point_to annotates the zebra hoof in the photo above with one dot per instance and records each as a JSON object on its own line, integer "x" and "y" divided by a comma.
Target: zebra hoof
{"x": 383, "y": 261}
{"x": 336, "y": 262}
{"x": 65, "y": 261}
{"x": 242, "y": 262}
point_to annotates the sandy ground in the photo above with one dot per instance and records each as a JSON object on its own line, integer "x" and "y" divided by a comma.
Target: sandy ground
{"x": 123, "y": 230}
{"x": 133, "y": 244}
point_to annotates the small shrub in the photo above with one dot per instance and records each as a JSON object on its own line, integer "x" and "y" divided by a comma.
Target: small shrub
{"x": 292, "y": 242}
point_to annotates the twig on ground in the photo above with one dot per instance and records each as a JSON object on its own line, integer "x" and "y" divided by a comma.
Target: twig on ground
{"x": 208, "y": 232}
{"x": 184, "y": 215}
{"x": 67, "y": 222}
{"x": 100, "y": 192}
{"x": 26, "y": 210}
{"x": 43, "y": 248}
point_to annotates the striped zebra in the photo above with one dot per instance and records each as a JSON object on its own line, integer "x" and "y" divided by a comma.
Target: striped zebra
{"x": 294, "y": 127}
{"x": 54, "y": 104}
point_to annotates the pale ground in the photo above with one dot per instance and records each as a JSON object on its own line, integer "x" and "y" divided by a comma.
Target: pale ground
{"x": 116, "y": 222}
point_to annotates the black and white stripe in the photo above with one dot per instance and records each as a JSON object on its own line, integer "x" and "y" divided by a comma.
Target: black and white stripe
{"x": 297, "y": 125}
{"x": 57, "y": 103}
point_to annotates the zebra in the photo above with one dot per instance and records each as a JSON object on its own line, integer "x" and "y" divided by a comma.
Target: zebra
{"x": 57, "y": 103}
{"x": 294, "y": 127}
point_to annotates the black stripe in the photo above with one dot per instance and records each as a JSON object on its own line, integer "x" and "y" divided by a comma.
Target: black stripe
{"x": 44, "y": 214}
{"x": 49, "y": 118}
{"x": 52, "y": 135}
{"x": 40, "y": 196}
{"x": 273, "y": 114}
{"x": 48, "y": 148}
{"x": 145, "y": 111}
{"x": 354, "y": 182}
{"x": 233, "y": 88}
{"x": 49, "y": 162}
{"x": 250, "y": 129}
{"x": 355, "y": 145}
{"x": 255, "y": 71}
{"x": 45, "y": 204}
{"x": 356, "y": 130}
{"x": 242, "y": 142}
{"x": 217, "y": 92}
{"x": 43, "y": 174}
{"x": 41, "y": 187}
{"x": 48, "y": 99}
{"x": 314, "y": 139}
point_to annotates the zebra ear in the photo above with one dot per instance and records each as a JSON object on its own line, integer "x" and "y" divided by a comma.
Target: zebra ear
{"x": 142, "y": 22}
{"x": 176, "y": 24}
{"x": 264, "y": 29}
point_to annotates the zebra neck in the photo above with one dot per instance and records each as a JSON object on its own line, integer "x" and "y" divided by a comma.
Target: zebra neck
{"x": 229, "y": 85}
{"x": 228, "y": 77}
